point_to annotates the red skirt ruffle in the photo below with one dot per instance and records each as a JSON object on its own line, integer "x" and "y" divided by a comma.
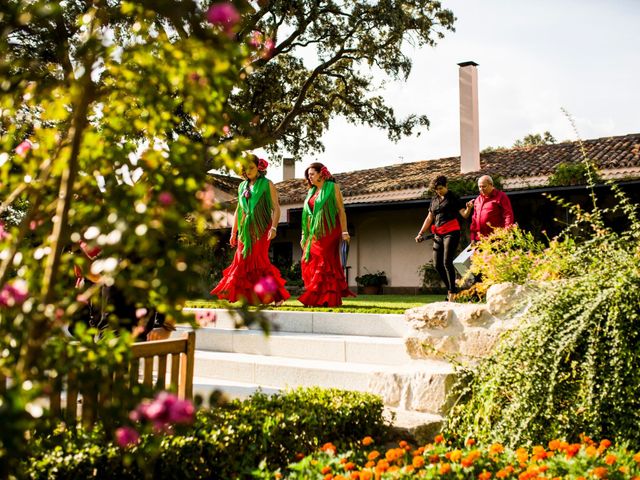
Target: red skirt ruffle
{"x": 240, "y": 278}
{"x": 323, "y": 275}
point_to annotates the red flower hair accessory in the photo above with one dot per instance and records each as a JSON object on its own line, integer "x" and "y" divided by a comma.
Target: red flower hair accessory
{"x": 324, "y": 173}
{"x": 262, "y": 165}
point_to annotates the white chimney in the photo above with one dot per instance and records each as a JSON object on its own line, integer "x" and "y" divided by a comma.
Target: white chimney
{"x": 288, "y": 169}
{"x": 469, "y": 128}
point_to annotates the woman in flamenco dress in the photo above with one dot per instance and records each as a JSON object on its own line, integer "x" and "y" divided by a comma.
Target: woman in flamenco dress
{"x": 324, "y": 224}
{"x": 251, "y": 277}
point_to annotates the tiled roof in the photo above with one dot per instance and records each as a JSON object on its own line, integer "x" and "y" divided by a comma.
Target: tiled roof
{"x": 620, "y": 154}
{"x": 225, "y": 182}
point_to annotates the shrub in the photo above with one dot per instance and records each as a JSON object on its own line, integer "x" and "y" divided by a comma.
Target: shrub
{"x": 573, "y": 174}
{"x": 574, "y": 364}
{"x": 431, "y": 281}
{"x": 228, "y": 441}
{"x": 375, "y": 279}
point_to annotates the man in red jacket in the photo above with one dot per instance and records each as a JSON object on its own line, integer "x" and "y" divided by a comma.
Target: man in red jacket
{"x": 491, "y": 209}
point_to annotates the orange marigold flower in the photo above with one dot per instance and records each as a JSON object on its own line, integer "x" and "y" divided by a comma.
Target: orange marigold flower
{"x": 496, "y": 449}
{"x": 402, "y": 443}
{"x": 599, "y": 472}
{"x": 522, "y": 455}
{"x": 394, "y": 468}
{"x": 484, "y": 475}
{"x": 502, "y": 473}
{"x": 369, "y": 464}
{"x": 419, "y": 451}
{"x": 355, "y": 476}
{"x": 470, "y": 442}
{"x": 366, "y": 475}
{"x": 343, "y": 460}
{"x": 604, "y": 443}
{"x": 555, "y": 445}
{"x": 277, "y": 475}
{"x": 624, "y": 469}
{"x": 445, "y": 468}
{"x": 349, "y": 466}
{"x": 326, "y": 469}
{"x": 382, "y": 466}
{"x": 573, "y": 449}
{"x": 636, "y": 457}
{"x": 439, "y": 439}
{"x": 328, "y": 447}
{"x": 418, "y": 462}
{"x": 366, "y": 441}
{"x": 393, "y": 454}
{"x": 373, "y": 454}
{"x": 591, "y": 451}
{"x": 409, "y": 468}
{"x": 299, "y": 456}
{"x": 543, "y": 468}
{"x": 328, "y": 476}
{"x": 339, "y": 477}
{"x": 455, "y": 455}
{"x": 539, "y": 453}
{"x": 434, "y": 458}
{"x": 610, "y": 459}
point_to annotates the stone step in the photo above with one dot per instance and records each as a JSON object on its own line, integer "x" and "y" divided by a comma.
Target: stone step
{"x": 337, "y": 348}
{"x": 420, "y": 385}
{"x": 331, "y": 323}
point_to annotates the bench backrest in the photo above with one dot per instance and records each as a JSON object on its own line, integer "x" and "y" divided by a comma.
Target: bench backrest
{"x": 179, "y": 370}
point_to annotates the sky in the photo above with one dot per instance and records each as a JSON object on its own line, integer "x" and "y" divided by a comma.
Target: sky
{"x": 534, "y": 59}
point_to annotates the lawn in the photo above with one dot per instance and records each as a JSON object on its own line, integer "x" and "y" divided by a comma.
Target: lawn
{"x": 359, "y": 304}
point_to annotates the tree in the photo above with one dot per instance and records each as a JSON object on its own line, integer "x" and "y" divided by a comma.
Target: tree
{"x": 92, "y": 96}
{"x": 535, "y": 139}
{"x": 316, "y": 59}
{"x": 312, "y": 60}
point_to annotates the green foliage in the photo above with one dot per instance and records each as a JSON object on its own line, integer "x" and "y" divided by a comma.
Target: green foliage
{"x": 514, "y": 255}
{"x": 535, "y": 139}
{"x": 104, "y": 92}
{"x": 573, "y": 364}
{"x": 573, "y": 174}
{"x": 375, "y": 279}
{"x": 228, "y": 441}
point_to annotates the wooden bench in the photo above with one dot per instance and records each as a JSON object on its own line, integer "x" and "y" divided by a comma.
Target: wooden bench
{"x": 180, "y": 373}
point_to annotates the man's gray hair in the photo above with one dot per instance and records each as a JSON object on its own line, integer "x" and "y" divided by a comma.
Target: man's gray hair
{"x": 487, "y": 178}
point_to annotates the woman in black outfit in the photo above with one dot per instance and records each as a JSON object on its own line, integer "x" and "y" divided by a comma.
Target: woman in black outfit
{"x": 442, "y": 221}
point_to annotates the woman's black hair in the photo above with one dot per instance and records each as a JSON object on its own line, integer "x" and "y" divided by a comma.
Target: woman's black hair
{"x": 439, "y": 181}
{"x": 317, "y": 166}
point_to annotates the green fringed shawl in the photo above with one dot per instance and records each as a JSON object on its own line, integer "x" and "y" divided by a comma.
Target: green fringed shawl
{"x": 254, "y": 213}
{"x": 320, "y": 221}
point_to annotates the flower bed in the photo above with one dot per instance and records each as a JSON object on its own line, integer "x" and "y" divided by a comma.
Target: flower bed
{"x": 558, "y": 460}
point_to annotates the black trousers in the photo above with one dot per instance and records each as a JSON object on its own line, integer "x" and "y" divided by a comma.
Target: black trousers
{"x": 444, "y": 251}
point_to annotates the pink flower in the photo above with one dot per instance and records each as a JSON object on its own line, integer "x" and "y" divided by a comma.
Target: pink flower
{"x": 226, "y": 129}
{"x": 223, "y": 14}
{"x": 14, "y": 293}
{"x": 268, "y": 48}
{"x": 247, "y": 194}
{"x": 265, "y": 289}
{"x": 262, "y": 165}
{"x": 165, "y": 199}
{"x": 23, "y": 148}
{"x": 256, "y": 39}
{"x": 127, "y": 437}
{"x": 164, "y": 410}
{"x": 3, "y": 232}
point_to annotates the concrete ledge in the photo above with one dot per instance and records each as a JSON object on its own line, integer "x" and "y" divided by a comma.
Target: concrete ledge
{"x": 362, "y": 324}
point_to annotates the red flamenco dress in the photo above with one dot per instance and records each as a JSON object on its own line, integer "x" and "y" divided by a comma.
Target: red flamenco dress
{"x": 322, "y": 272}
{"x": 251, "y": 277}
